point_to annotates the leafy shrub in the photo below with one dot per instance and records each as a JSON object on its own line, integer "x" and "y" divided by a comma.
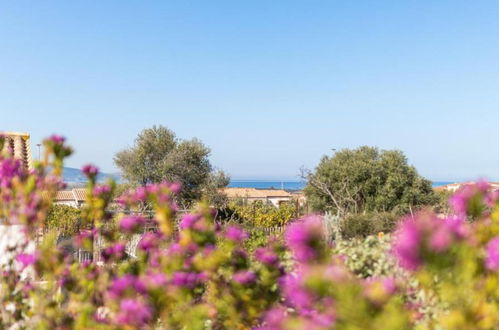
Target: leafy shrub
{"x": 264, "y": 215}
{"x": 64, "y": 219}
{"x": 363, "y": 225}
{"x": 369, "y": 257}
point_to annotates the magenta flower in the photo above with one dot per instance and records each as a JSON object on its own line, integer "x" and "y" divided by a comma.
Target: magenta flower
{"x": 120, "y": 284}
{"x": 140, "y": 194}
{"x": 187, "y": 279}
{"x": 131, "y": 224}
{"x": 90, "y": 171}
{"x": 26, "y": 259}
{"x": 175, "y": 188}
{"x": 155, "y": 279}
{"x": 389, "y": 285}
{"x": 133, "y": 312}
{"x": 57, "y": 139}
{"x": 244, "y": 277}
{"x": 116, "y": 251}
{"x": 101, "y": 190}
{"x": 274, "y": 318}
{"x": 235, "y": 234}
{"x": 305, "y": 238}
{"x": 188, "y": 221}
{"x": 425, "y": 234}
{"x": 296, "y": 295}
{"x": 492, "y": 257}
{"x": 149, "y": 241}
{"x": 266, "y": 256}
{"x": 469, "y": 197}
{"x": 407, "y": 244}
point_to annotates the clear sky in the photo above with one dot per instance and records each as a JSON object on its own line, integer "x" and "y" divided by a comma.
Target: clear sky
{"x": 270, "y": 86}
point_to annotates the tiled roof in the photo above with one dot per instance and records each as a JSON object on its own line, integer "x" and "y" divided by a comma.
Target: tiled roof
{"x": 18, "y": 144}
{"x": 64, "y": 195}
{"x": 255, "y": 193}
{"x": 80, "y": 194}
{"x": 76, "y": 194}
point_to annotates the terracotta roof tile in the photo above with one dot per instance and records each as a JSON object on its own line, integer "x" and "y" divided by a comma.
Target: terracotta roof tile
{"x": 255, "y": 193}
{"x": 80, "y": 194}
{"x": 64, "y": 195}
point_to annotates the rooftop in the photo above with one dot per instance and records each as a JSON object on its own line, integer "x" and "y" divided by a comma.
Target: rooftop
{"x": 255, "y": 193}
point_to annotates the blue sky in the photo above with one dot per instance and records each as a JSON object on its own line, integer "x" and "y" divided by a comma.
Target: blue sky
{"x": 270, "y": 86}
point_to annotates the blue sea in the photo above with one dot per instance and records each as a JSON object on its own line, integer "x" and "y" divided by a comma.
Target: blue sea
{"x": 287, "y": 185}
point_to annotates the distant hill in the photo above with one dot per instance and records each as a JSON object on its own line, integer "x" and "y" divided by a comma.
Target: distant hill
{"x": 76, "y": 176}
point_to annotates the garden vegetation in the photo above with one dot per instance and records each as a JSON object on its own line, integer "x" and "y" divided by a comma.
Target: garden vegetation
{"x": 433, "y": 272}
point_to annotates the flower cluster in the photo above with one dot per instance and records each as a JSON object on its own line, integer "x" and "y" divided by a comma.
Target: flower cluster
{"x": 427, "y": 234}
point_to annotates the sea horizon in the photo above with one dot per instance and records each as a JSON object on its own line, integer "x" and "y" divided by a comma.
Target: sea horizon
{"x": 289, "y": 184}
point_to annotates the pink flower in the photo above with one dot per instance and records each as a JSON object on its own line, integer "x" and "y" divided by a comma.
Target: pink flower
{"x": 244, "y": 277}
{"x": 274, "y": 318}
{"x": 120, "y": 284}
{"x": 187, "y": 279}
{"x": 266, "y": 256}
{"x": 133, "y": 312}
{"x": 235, "y": 234}
{"x": 406, "y": 246}
{"x": 140, "y": 194}
{"x": 389, "y": 285}
{"x": 131, "y": 224}
{"x": 188, "y": 221}
{"x": 26, "y": 259}
{"x": 116, "y": 251}
{"x": 101, "y": 190}
{"x": 492, "y": 251}
{"x": 296, "y": 295}
{"x": 57, "y": 139}
{"x": 305, "y": 238}
{"x": 149, "y": 241}
{"x": 126, "y": 282}
{"x": 468, "y": 198}
{"x": 155, "y": 279}
{"x": 175, "y": 188}
{"x": 425, "y": 234}
{"x": 90, "y": 171}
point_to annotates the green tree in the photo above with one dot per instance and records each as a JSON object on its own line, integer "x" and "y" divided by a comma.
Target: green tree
{"x": 158, "y": 155}
{"x": 367, "y": 179}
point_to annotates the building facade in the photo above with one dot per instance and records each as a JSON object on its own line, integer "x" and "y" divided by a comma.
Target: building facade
{"x": 19, "y": 146}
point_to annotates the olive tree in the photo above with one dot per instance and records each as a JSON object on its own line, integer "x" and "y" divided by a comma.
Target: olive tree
{"x": 367, "y": 179}
{"x": 158, "y": 155}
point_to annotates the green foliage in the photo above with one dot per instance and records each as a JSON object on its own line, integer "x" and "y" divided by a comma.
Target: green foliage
{"x": 369, "y": 257}
{"x": 367, "y": 179}
{"x": 158, "y": 155}
{"x": 257, "y": 238}
{"x": 64, "y": 219}
{"x": 363, "y": 225}
{"x": 442, "y": 206}
{"x": 261, "y": 214}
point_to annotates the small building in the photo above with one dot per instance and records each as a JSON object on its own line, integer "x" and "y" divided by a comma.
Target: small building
{"x": 12, "y": 235}
{"x": 74, "y": 197}
{"x": 271, "y": 196}
{"x": 19, "y": 145}
{"x": 453, "y": 187}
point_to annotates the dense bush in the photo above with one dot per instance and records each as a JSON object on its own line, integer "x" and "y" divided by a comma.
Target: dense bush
{"x": 66, "y": 220}
{"x": 369, "y": 257}
{"x": 363, "y": 225}
{"x": 202, "y": 277}
{"x": 367, "y": 179}
{"x": 262, "y": 214}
